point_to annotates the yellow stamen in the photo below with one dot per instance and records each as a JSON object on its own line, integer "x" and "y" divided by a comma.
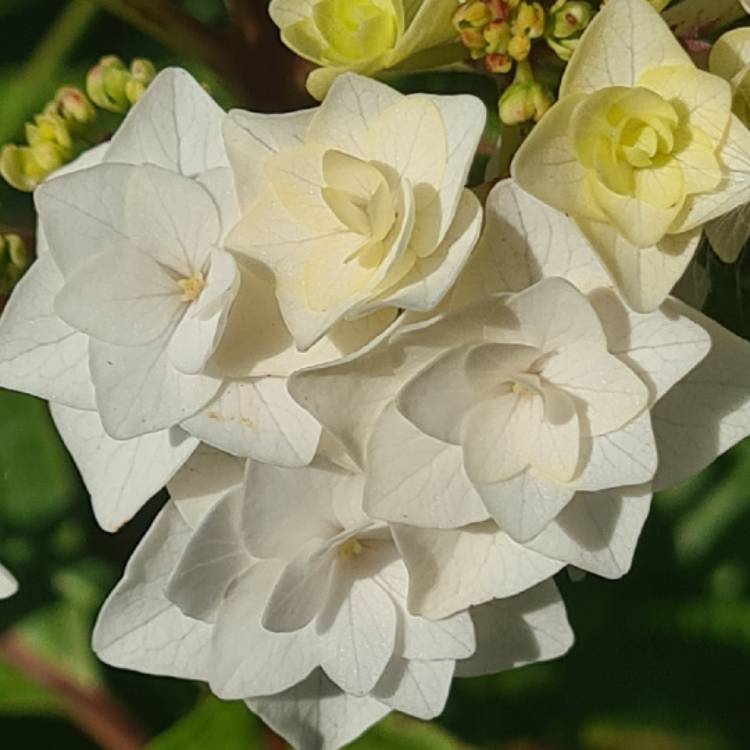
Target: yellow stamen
{"x": 350, "y": 548}
{"x": 192, "y": 287}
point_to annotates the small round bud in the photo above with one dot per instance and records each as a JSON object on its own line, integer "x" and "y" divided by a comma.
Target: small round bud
{"x": 499, "y": 9}
{"x": 563, "y": 48}
{"x": 474, "y": 41}
{"x": 106, "y": 84}
{"x": 473, "y": 14}
{"x": 134, "y": 90}
{"x": 497, "y": 62}
{"x": 571, "y": 18}
{"x": 142, "y": 70}
{"x": 522, "y": 102}
{"x": 74, "y": 107}
{"x": 496, "y": 37}
{"x": 519, "y": 47}
{"x": 49, "y": 156}
{"x": 16, "y": 251}
{"x": 529, "y": 20}
{"x": 49, "y": 127}
{"x": 19, "y": 168}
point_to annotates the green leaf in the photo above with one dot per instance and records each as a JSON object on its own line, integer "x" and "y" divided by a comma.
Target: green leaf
{"x": 212, "y": 724}
{"x": 401, "y": 733}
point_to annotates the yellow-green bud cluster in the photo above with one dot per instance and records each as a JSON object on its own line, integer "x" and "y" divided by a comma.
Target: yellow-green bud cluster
{"x": 499, "y": 32}
{"x": 50, "y": 139}
{"x": 567, "y": 21}
{"x": 522, "y": 102}
{"x": 114, "y": 87}
{"x": 67, "y": 124}
{"x": 14, "y": 260}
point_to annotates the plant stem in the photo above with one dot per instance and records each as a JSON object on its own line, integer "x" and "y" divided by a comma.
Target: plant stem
{"x": 93, "y": 710}
{"x": 31, "y": 87}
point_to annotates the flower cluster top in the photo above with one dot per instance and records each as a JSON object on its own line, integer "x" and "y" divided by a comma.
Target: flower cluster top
{"x": 387, "y": 412}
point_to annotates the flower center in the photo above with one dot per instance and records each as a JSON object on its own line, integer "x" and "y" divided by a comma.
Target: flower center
{"x": 356, "y": 29}
{"x": 621, "y": 131}
{"x": 192, "y": 287}
{"x": 350, "y": 549}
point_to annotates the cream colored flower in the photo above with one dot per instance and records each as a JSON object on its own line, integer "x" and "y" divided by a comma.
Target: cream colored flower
{"x": 359, "y": 205}
{"x": 367, "y": 36}
{"x": 641, "y": 150}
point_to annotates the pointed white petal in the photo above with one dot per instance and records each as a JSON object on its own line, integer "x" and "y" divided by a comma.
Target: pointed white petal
{"x": 120, "y": 475}
{"x": 414, "y": 687}
{"x": 138, "y": 627}
{"x": 39, "y": 353}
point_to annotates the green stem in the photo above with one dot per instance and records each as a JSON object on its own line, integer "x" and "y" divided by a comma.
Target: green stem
{"x": 30, "y": 89}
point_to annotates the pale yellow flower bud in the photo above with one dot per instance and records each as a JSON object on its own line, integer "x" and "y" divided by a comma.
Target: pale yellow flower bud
{"x": 106, "y": 84}
{"x": 74, "y": 107}
{"x": 572, "y": 18}
{"x": 519, "y": 47}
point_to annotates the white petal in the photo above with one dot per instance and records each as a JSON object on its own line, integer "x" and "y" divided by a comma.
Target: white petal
{"x": 302, "y": 590}
{"x": 525, "y": 503}
{"x": 523, "y": 629}
{"x": 120, "y": 475}
{"x": 643, "y": 276}
{"x": 247, "y": 659}
{"x": 251, "y": 138}
{"x": 598, "y": 531}
{"x": 345, "y": 117}
{"x": 124, "y": 298}
{"x": 39, "y": 353}
{"x": 219, "y": 183}
{"x": 416, "y": 479}
{"x": 553, "y": 313}
{"x": 257, "y": 418}
{"x": 453, "y": 570}
{"x": 708, "y": 411}
{"x": 214, "y": 557}
{"x": 524, "y": 241}
{"x": 138, "y": 627}
{"x": 139, "y": 391}
{"x": 607, "y": 392}
{"x": 622, "y": 42}
{"x": 734, "y": 189}
{"x": 170, "y": 217}
{"x": 661, "y": 347}
{"x": 729, "y": 234}
{"x": 417, "y": 688}
{"x": 432, "y": 277}
{"x": 205, "y": 478}
{"x": 275, "y": 495}
{"x": 365, "y": 381}
{"x": 8, "y": 584}
{"x": 624, "y": 457}
{"x": 360, "y": 636}
{"x": 175, "y": 125}
{"x": 199, "y": 331}
{"x": 316, "y": 715}
{"x": 83, "y": 213}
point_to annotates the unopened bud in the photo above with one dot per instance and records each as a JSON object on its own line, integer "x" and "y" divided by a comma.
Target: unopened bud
{"x": 106, "y": 85}
{"x": 499, "y": 9}
{"x": 563, "y": 48}
{"x": 50, "y": 128}
{"x": 49, "y": 156}
{"x": 529, "y": 20}
{"x": 74, "y": 107}
{"x": 20, "y": 168}
{"x": 497, "y": 37}
{"x": 14, "y": 260}
{"x": 519, "y": 47}
{"x": 142, "y": 70}
{"x": 134, "y": 90}
{"x": 570, "y": 19}
{"x": 473, "y": 14}
{"x": 473, "y": 40}
{"x": 497, "y": 62}
{"x": 522, "y": 102}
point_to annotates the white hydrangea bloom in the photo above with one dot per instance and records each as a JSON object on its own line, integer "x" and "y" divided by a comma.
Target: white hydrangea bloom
{"x": 284, "y": 594}
{"x": 8, "y": 584}
{"x": 361, "y": 204}
{"x": 430, "y": 411}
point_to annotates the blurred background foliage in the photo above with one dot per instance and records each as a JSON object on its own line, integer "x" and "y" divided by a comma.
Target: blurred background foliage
{"x": 662, "y": 657}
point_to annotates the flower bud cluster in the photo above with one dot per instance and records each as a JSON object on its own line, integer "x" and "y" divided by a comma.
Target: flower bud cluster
{"x": 68, "y": 123}
{"x": 114, "y": 87}
{"x": 499, "y": 32}
{"x": 14, "y": 260}
{"x": 567, "y": 20}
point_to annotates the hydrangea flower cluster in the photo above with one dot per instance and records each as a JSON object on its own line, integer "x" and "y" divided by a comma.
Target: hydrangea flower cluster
{"x": 386, "y": 414}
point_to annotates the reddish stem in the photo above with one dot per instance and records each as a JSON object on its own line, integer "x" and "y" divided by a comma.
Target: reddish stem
{"x": 93, "y": 710}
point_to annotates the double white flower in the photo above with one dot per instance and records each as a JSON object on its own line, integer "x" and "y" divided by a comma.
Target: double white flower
{"x": 283, "y": 593}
